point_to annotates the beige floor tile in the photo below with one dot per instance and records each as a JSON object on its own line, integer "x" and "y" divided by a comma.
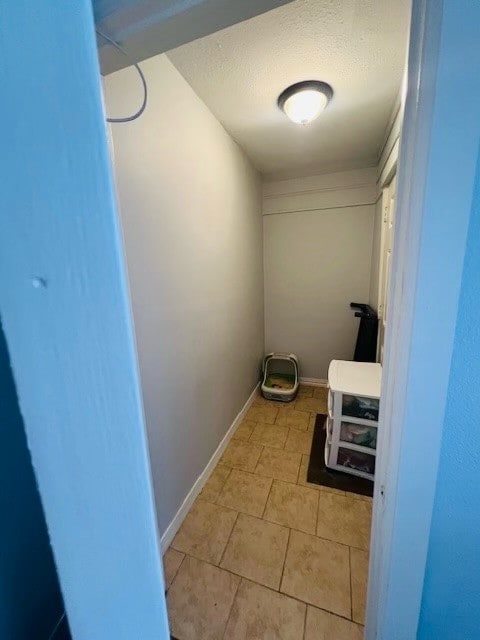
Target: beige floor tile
{"x": 318, "y": 572}
{"x": 316, "y": 405}
{"x": 344, "y": 519}
{"x": 321, "y": 393}
{"x": 279, "y": 464}
{"x": 245, "y": 492}
{"x": 265, "y": 413}
{"x": 359, "y": 568}
{"x": 199, "y": 601}
{"x": 256, "y": 550}
{"x": 244, "y": 430}
{"x": 171, "y": 562}
{"x": 289, "y": 417}
{"x": 305, "y": 391}
{"x": 215, "y": 482}
{"x": 321, "y": 625}
{"x": 271, "y": 435}
{"x": 357, "y": 496}
{"x": 259, "y": 400}
{"x": 293, "y": 506}
{"x": 302, "y": 479}
{"x": 205, "y": 531}
{"x": 299, "y": 441}
{"x": 311, "y": 422}
{"x": 261, "y": 614}
{"x": 241, "y": 455}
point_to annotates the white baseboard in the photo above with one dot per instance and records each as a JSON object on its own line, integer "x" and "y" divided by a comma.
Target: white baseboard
{"x": 314, "y": 382}
{"x": 174, "y": 525}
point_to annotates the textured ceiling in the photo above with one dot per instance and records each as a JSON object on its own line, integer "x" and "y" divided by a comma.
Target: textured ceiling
{"x": 357, "y": 46}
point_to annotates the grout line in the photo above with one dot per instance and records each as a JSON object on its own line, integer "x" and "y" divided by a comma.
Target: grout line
{"x": 255, "y": 424}
{"x": 287, "y": 595}
{"x": 284, "y": 561}
{"x": 306, "y": 533}
{"x": 262, "y": 517}
{"x": 352, "y": 546}
{"x": 297, "y": 483}
{"x": 266, "y": 502}
{"x": 231, "y": 607}
{"x": 305, "y": 621}
{"x": 167, "y": 589}
{"x": 341, "y": 544}
{"x": 258, "y": 460}
{"x": 253, "y": 473}
{"x": 223, "y": 486}
{"x": 318, "y": 513}
{"x": 351, "y": 587}
{"x": 290, "y": 529}
{"x": 272, "y": 446}
{"x": 228, "y": 540}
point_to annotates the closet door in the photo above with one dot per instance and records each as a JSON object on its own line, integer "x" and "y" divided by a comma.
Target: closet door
{"x": 386, "y": 258}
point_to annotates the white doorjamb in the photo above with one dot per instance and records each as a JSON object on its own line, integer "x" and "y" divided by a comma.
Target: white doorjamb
{"x": 436, "y": 169}
{"x": 66, "y": 316}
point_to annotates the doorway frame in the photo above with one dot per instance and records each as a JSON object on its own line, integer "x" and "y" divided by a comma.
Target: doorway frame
{"x": 434, "y": 192}
{"x": 415, "y": 359}
{"x": 66, "y": 317}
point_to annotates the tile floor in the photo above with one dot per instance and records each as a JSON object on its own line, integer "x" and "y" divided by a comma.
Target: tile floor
{"x": 262, "y": 553}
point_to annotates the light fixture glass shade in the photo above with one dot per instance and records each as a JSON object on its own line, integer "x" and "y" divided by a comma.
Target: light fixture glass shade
{"x": 305, "y": 101}
{"x": 305, "y": 106}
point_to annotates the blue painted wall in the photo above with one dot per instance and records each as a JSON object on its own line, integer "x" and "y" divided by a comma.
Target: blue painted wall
{"x": 451, "y": 598}
{"x": 30, "y": 599}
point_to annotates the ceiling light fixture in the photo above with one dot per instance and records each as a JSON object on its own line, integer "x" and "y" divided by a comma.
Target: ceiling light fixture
{"x": 304, "y": 101}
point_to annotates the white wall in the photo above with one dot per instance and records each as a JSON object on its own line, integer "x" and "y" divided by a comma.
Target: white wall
{"x": 191, "y": 213}
{"x": 317, "y": 253}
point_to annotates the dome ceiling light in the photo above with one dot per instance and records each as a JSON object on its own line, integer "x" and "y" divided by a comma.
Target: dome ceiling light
{"x": 304, "y": 101}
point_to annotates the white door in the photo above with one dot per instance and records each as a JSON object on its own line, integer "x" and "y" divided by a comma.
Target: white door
{"x": 388, "y": 203}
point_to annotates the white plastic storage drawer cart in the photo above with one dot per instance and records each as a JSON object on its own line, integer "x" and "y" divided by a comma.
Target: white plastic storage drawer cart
{"x": 352, "y": 421}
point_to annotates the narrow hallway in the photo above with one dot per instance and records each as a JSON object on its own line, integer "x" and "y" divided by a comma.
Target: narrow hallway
{"x": 263, "y": 553}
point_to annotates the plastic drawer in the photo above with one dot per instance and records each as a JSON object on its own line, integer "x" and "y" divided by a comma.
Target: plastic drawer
{"x": 358, "y": 434}
{"x": 360, "y": 407}
{"x": 362, "y": 462}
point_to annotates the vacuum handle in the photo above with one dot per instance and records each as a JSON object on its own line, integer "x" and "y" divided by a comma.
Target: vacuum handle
{"x": 366, "y": 310}
{"x": 359, "y": 305}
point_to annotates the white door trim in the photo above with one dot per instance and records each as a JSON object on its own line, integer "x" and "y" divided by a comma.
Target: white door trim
{"x": 66, "y": 316}
{"x": 436, "y": 170}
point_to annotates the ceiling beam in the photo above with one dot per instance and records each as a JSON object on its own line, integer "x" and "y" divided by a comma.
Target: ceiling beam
{"x": 148, "y": 27}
